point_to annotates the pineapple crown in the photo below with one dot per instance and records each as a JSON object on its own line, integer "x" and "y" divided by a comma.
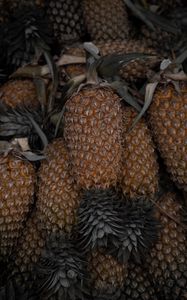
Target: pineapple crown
{"x": 61, "y": 269}
{"x": 140, "y": 229}
{"x": 98, "y": 219}
{"x": 26, "y": 36}
{"x": 19, "y": 130}
{"x": 102, "y": 72}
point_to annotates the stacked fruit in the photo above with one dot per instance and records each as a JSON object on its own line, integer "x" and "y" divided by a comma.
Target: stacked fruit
{"x": 93, "y": 157}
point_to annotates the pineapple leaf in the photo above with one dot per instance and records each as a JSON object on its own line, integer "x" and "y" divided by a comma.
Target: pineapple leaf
{"x": 54, "y": 74}
{"x": 150, "y": 89}
{"x": 41, "y": 93}
{"x": 108, "y": 66}
{"x": 136, "y": 10}
{"x": 39, "y": 131}
{"x": 122, "y": 91}
{"x": 92, "y": 49}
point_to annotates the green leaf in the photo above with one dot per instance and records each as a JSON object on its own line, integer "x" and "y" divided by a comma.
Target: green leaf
{"x": 122, "y": 91}
{"x": 150, "y": 89}
{"x": 40, "y": 133}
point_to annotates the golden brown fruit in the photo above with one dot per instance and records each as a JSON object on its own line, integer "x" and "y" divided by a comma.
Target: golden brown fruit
{"x": 167, "y": 260}
{"x": 106, "y": 20}
{"x": 30, "y": 244}
{"x": 167, "y": 117}
{"x": 66, "y": 20}
{"x": 19, "y": 92}
{"x": 92, "y": 130}
{"x": 58, "y": 195}
{"x": 139, "y": 167}
{"x": 16, "y": 196}
{"x": 107, "y": 274}
{"x": 138, "y": 285}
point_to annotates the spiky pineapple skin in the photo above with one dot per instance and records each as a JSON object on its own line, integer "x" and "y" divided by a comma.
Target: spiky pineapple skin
{"x": 167, "y": 118}
{"x": 66, "y": 20}
{"x": 167, "y": 261}
{"x": 107, "y": 274}
{"x": 19, "y": 93}
{"x": 16, "y": 194}
{"x": 30, "y": 245}
{"x": 138, "y": 285}
{"x": 14, "y": 5}
{"x": 106, "y": 20}
{"x": 92, "y": 131}
{"x": 139, "y": 167}
{"x": 159, "y": 37}
{"x": 58, "y": 194}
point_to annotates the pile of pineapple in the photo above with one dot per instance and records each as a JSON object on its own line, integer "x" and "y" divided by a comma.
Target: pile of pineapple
{"x": 93, "y": 150}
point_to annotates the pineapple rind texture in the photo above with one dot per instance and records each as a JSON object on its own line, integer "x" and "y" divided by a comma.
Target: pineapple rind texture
{"x": 19, "y": 93}
{"x": 58, "y": 195}
{"x": 17, "y": 187}
{"x": 139, "y": 167}
{"x": 167, "y": 261}
{"x": 30, "y": 245}
{"x": 138, "y": 284}
{"x": 92, "y": 132}
{"x": 106, "y": 20}
{"x": 107, "y": 274}
{"x": 66, "y": 20}
{"x": 167, "y": 118}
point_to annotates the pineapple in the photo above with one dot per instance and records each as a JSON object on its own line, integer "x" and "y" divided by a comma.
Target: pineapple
{"x": 167, "y": 118}
{"x": 157, "y": 37}
{"x": 167, "y": 261}
{"x": 30, "y": 245}
{"x": 58, "y": 194}
{"x": 92, "y": 131}
{"x": 14, "y": 5}
{"x": 134, "y": 71}
{"x": 17, "y": 187}
{"x": 138, "y": 285}
{"x": 66, "y": 20}
{"x": 19, "y": 92}
{"x": 106, "y": 20}
{"x": 140, "y": 167}
{"x": 107, "y": 275}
